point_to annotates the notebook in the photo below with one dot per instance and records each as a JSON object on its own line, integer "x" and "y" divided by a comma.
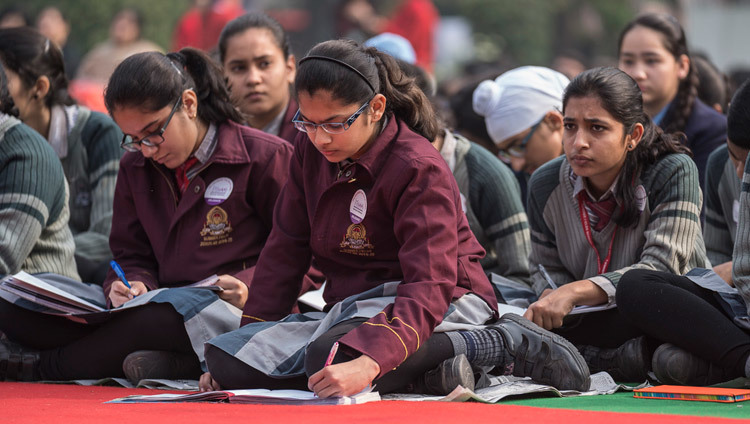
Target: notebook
{"x": 704, "y": 394}
{"x": 253, "y": 396}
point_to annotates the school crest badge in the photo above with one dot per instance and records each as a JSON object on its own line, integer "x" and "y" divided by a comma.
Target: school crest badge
{"x": 356, "y": 242}
{"x": 217, "y": 228}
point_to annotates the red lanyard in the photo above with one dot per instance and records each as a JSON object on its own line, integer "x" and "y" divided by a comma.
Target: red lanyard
{"x": 601, "y": 266}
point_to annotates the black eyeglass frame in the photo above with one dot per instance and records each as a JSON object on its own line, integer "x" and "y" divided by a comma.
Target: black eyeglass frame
{"x": 135, "y": 146}
{"x": 329, "y": 127}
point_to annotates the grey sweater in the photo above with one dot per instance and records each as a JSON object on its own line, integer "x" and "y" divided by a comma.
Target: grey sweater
{"x": 741, "y": 256}
{"x": 667, "y": 236}
{"x": 722, "y": 206}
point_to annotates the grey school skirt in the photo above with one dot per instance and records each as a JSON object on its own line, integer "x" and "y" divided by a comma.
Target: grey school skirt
{"x": 277, "y": 348}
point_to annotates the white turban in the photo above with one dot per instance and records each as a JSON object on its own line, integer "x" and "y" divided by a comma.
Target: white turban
{"x": 518, "y": 99}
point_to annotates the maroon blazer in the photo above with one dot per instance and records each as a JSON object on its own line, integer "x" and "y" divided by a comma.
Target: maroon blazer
{"x": 413, "y": 231}
{"x": 287, "y": 130}
{"x": 166, "y": 241}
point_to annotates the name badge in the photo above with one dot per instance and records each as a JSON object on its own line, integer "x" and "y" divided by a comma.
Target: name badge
{"x": 218, "y": 191}
{"x": 358, "y": 207}
{"x": 640, "y": 198}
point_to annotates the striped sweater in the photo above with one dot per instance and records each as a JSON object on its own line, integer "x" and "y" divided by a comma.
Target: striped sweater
{"x": 667, "y": 236}
{"x": 722, "y": 206}
{"x": 741, "y": 256}
{"x": 34, "y": 233}
{"x": 492, "y": 202}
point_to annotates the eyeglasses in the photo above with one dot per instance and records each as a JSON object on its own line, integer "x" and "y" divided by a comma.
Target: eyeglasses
{"x": 151, "y": 140}
{"x": 517, "y": 149}
{"x": 329, "y": 127}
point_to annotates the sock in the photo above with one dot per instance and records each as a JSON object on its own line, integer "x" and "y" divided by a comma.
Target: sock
{"x": 481, "y": 347}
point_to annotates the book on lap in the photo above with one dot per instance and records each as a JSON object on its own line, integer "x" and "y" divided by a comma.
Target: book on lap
{"x": 253, "y": 396}
{"x": 704, "y": 394}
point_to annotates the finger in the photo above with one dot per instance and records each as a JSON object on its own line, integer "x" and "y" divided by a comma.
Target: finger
{"x": 529, "y": 315}
{"x": 204, "y": 384}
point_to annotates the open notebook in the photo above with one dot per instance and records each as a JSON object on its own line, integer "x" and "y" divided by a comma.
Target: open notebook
{"x": 253, "y": 396}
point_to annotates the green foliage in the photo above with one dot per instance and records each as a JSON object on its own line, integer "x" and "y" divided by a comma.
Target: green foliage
{"x": 532, "y": 31}
{"x": 89, "y": 19}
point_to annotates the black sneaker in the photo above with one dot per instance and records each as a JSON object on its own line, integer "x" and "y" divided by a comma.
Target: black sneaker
{"x": 444, "y": 378}
{"x": 673, "y": 365}
{"x": 159, "y": 364}
{"x": 628, "y": 363}
{"x": 542, "y": 355}
{"x": 18, "y": 363}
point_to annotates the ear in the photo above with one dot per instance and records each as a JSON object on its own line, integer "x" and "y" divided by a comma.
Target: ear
{"x": 377, "y": 107}
{"x": 553, "y": 120}
{"x": 41, "y": 87}
{"x": 291, "y": 67}
{"x": 635, "y": 137}
{"x": 190, "y": 103}
{"x": 683, "y": 66}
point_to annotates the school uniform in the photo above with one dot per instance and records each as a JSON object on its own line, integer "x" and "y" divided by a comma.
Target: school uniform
{"x": 722, "y": 206}
{"x": 705, "y": 130}
{"x": 388, "y": 232}
{"x": 287, "y": 131}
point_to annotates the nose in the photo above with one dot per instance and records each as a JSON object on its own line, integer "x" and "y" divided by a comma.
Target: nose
{"x": 148, "y": 151}
{"x": 320, "y": 137}
{"x": 254, "y": 76}
{"x": 580, "y": 141}
{"x": 517, "y": 164}
{"x": 637, "y": 71}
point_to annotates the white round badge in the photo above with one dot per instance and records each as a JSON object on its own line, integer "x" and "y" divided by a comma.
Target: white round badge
{"x": 358, "y": 207}
{"x": 640, "y": 198}
{"x": 218, "y": 191}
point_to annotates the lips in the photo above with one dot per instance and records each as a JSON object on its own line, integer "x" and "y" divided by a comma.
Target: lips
{"x": 580, "y": 160}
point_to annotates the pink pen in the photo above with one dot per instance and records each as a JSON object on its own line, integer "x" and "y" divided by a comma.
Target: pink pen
{"x": 334, "y": 349}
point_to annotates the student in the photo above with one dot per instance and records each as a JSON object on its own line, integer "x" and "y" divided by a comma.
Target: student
{"x": 653, "y": 50}
{"x": 34, "y": 235}
{"x": 258, "y": 64}
{"x": 623, "y": 196}
{"x": 704, "y": 327}
{"x": 490, "y": 195}
{"x": 194, "y": 198}
{"x": 522, "y": 111}
{"x": 377, "y": 207}
{"x": 86, "y": 142}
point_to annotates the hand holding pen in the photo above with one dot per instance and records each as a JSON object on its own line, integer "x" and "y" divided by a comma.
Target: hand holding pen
{"x": 124, "y": 290}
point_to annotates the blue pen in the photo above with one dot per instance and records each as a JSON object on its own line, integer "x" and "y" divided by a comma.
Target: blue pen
{"x": 546, "y": 276}
{"x": 115, "y": 266}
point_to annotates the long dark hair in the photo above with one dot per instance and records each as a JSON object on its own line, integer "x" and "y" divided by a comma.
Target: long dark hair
{"x": 152, "y": 81}
{"x": 374, "y": 72}
{"x": 674, "y": 41}
{"x": 620, "y": 96}
{"x": 254, "y": 20}
{"x": 31, "y": 55}
{"x": 6, "y": 101}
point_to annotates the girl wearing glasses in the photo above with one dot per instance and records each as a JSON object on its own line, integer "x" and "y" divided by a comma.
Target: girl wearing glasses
{"x": 377, "y": 207}
{"x": 623, "y": 196}
{"x": 85, "y": 141}
{"x": 653, "y": 50}
{"x": 522, "y": 112}
{"x": 259, "y": 67}
{"x": 194, "y": 198}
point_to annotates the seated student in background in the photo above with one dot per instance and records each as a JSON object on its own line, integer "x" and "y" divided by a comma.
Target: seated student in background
{"x": 723, "y": 180}
{"x": 259, "y": 67}
{"x": 490, "y": 196}
{"x": 34, "y": 233}
{"x": 377, "y": 207}
{"x": 522, "y": 111}
{"x": 653, "y": 50}
{"x": 194, "y": 198}
{"x": 623, "y": 196}
{"x": 86, "y": 142}
{"x": 702, "y": 330}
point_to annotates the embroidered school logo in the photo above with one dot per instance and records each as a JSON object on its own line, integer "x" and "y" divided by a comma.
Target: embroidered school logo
{"x": 217, "y": 228}
{"x": 356, "y": 242}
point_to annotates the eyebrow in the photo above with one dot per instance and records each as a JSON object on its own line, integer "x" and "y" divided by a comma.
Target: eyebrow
{"x": 325, "y": 121}
{"x": 587, "y": 120}
{"x": 644, "y": 54}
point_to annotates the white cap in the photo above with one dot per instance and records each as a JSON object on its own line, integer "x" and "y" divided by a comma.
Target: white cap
{"x": 518, "y": 99}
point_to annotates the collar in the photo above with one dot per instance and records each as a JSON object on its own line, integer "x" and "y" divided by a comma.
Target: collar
{"x": 662, "y": 113}
{"x": 374, "y": 158}
{"x": 448, "y": 151}
{"x": 579, "y": 185}
{"x": 274, "y": 127}
{"x": 62, "y": 120}
{"x": 207, "y": 146}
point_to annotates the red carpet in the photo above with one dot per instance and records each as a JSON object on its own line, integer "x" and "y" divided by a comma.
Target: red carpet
{"x": 46, "y": 403}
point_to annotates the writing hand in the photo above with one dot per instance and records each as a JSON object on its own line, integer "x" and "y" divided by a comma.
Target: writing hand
{"x": 120, "y": 293}
{"x": 548, "y": 312}
{"x": 235, "y": 291}
{"x": 207, "y": 383}
{"x": 344, "y": 379}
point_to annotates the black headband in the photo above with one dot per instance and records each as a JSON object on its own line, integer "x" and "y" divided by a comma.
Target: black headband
{"x": 341, "y": 62}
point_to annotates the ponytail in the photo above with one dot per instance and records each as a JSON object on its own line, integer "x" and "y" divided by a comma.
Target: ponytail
{"x": 152, "y": 81}
{"x": 354, "y": 74}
